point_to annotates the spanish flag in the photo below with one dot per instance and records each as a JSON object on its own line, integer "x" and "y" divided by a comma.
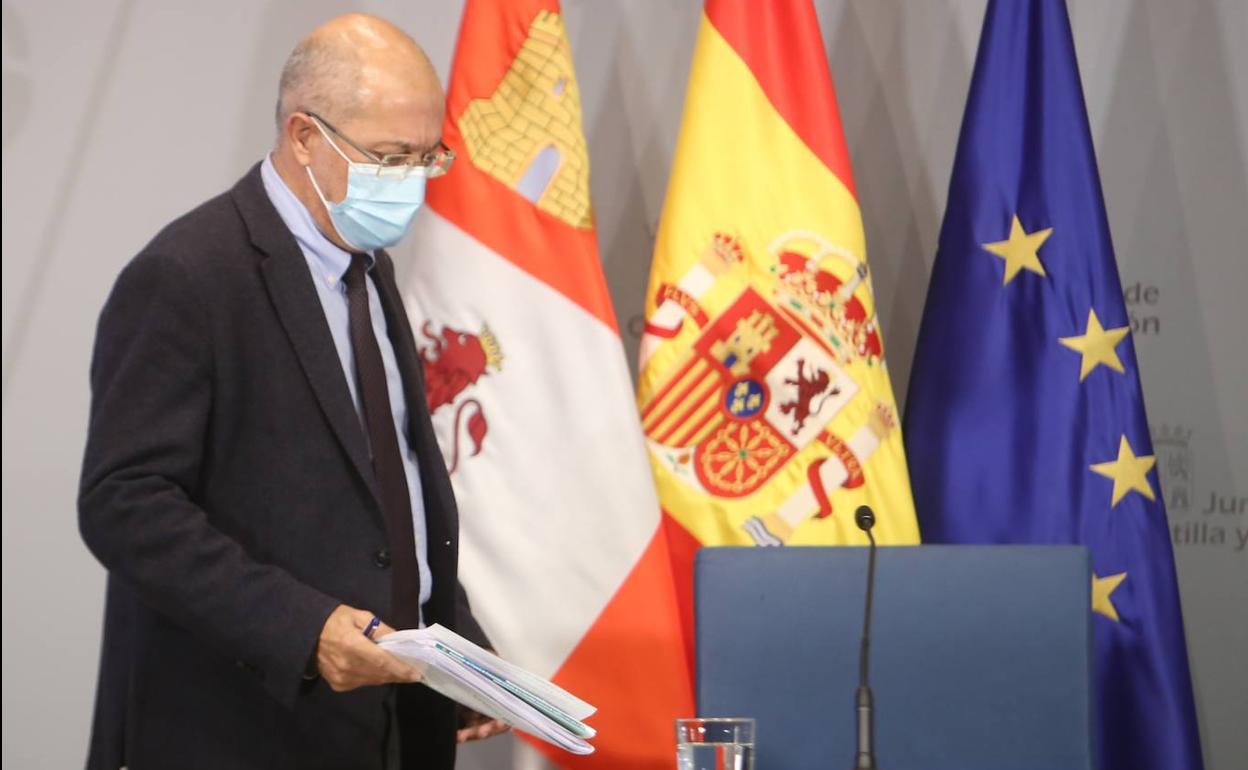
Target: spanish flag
{"x": 561, "y": 545}
{"x": 765, "y": 400}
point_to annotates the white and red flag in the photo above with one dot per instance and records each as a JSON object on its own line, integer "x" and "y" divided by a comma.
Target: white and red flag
{"x": 562, "y": 551}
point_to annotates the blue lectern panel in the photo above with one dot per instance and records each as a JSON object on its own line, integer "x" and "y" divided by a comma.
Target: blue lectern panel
{"x": 980, "y": 655}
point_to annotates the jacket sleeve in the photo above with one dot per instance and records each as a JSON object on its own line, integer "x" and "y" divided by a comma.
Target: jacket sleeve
{"x": 151, "y": 383}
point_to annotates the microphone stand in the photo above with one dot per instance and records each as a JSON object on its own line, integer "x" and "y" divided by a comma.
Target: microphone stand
{"x": 865, "y": 756}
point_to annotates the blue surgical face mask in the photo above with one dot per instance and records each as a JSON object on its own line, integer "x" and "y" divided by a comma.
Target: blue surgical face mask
{"x": 380, "y": 203}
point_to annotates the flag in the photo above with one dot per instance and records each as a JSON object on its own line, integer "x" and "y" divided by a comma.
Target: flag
{"x": 1025, "y": 420}
{"x": 562, "y": 552}
{"x": 766, "y": 403}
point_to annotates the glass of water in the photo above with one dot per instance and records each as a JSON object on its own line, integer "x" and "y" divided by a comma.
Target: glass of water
{"x": 715, "y": 744}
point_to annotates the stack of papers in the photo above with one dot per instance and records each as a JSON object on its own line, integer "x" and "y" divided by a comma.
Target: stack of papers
{"x": 485, "y": 683}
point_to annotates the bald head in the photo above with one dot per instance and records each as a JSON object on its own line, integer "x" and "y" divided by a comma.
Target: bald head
{"x": 349, "y": 61}
{"x": 373, "y": 93}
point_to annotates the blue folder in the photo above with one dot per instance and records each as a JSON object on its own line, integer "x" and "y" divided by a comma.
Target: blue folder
{"x": 980, "y": 655}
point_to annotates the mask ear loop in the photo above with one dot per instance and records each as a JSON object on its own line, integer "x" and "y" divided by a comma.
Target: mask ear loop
{"x": 341, "y": 154}
{"x": 317, "y": 187}
{"x": 329, "y": 209}
{"x": 308, "y": 167}
{"x": 332, "y": 143}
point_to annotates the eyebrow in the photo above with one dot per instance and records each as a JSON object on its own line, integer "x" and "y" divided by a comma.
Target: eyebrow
{"x": 403, "y": 147}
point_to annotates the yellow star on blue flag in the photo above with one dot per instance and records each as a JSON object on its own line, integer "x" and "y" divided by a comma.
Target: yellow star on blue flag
{"x": 1021, "y": 250}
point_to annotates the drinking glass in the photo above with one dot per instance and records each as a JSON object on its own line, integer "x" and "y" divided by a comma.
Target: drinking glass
{"x": 715, "y": 743}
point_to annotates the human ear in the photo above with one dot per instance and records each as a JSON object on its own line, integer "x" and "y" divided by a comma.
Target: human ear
{"x": 299, "y": 130}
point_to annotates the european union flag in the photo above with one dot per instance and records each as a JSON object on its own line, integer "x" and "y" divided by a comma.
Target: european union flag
{"x": 1025, "y": 420}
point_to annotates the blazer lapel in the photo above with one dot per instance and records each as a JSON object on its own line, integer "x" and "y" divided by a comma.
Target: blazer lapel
{"x": 289, "y": 283}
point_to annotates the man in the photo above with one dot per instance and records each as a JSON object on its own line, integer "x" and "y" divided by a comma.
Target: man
{"x": 261, "y": 477}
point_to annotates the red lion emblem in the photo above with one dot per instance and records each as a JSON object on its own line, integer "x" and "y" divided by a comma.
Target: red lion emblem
{"x": 807, "y": 388}
{"x": 455, "y": 360}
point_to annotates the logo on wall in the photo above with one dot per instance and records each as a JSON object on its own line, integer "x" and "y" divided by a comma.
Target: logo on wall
{"x": 1173, "y": 449}
{"x": 1143, "y": 301}
{"x": 454, "y": 361}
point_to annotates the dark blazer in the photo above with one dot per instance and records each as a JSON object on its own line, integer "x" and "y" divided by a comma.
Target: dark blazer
{"x": 227, "y": 489}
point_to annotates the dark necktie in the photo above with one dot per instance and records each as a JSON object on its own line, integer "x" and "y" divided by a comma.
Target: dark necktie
{"x": 370, "y": 378}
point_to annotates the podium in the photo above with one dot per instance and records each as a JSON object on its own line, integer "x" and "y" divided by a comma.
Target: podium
{"x": 980, "y": 655}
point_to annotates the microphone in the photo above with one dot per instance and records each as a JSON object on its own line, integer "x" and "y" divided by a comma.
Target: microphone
{"x": 864, "y": 517}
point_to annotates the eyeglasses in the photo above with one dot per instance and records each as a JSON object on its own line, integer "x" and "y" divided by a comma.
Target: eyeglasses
{"x": 436, "y": 162}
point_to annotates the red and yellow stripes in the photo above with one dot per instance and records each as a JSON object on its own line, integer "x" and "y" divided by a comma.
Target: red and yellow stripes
{"x": 760, "y": 152}
{"x": 761, "y": 157}
{"x": 687, "y": 409}
{"x": 781, "y": 45}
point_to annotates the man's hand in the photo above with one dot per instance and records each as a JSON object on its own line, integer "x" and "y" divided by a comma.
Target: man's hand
{"x": 474, "y": 726}
{"x": 346, "y": 659}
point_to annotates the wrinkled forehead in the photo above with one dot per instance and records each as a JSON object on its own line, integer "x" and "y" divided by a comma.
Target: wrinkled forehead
{"x": 399, "y": 107}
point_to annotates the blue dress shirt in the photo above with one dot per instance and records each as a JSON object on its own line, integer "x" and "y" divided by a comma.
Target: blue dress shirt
{"x": 328, "y": 264}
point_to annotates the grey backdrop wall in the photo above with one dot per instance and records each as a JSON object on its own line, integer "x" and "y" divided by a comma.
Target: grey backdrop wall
{"x": 118, "y": 115}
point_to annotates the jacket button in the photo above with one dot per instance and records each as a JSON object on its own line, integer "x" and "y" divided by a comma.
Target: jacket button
{"x": 381, "y": 558}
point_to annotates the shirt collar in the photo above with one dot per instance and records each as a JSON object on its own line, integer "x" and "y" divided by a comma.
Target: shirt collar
{"x": 328, "y": 262}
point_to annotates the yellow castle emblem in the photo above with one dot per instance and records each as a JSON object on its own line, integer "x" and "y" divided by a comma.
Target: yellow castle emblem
{"x": 527, "y": 134}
